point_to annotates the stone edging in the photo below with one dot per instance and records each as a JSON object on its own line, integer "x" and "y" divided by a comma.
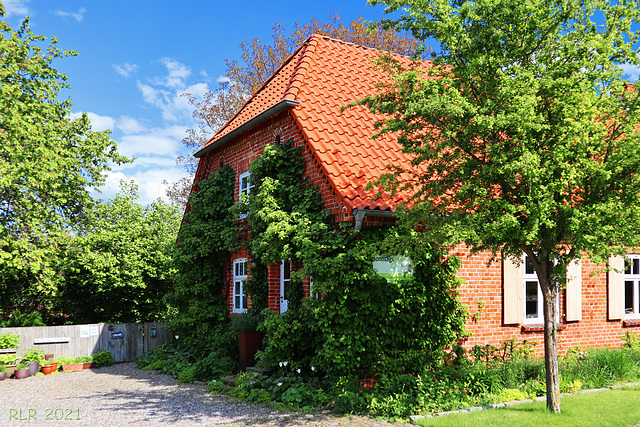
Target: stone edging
{"x": 413, "y": 418}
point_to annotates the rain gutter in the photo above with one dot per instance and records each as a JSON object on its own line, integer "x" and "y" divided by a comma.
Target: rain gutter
{"x": 282, "y": 105}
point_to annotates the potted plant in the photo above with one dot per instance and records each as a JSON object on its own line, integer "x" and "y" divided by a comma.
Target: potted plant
{"x": 9, "y": 363}
{"x": 49, "y": 368}
{"x": 9, "y": 342}
{"x": 32, "y": 357}
{"x": 87, "y": 361}
{"x": 22, "y": 371}
{"x": 249, "y": 338}
{"x": 3, "y": 372}
{"x": 70, "y": 364}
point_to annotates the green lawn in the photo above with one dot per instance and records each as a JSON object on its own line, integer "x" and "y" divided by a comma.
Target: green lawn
{"x": 619, "y": 407}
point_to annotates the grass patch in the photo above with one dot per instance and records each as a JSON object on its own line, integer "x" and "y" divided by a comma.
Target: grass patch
{"x": 617, "y": 407}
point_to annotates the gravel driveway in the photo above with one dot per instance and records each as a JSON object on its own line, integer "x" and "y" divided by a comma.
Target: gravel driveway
{"x": 122, "y": 395}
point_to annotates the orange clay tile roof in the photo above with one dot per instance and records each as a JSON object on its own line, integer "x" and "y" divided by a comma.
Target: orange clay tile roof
{"x": 324, "y": 75}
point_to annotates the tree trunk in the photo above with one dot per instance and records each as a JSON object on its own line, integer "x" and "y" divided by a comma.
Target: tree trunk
{"x": 550, "y": 298}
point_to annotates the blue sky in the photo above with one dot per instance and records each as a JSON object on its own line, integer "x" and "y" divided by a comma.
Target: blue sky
{"x": 136, "y": 58}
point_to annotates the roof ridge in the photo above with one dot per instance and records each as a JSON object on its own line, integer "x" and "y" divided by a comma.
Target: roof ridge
{"x": 302, "y": 67}
{"x": 257, "y": 92}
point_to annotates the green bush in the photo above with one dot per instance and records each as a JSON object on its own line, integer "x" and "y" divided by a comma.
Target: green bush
{"x": 9, "y": 340}
{"x": 18, "y": 320}
{"x": 103, "y": 358}
{"x": 33, "y": 355}
{"x": 188, "y": 375}
{"x": 245, "y": 322}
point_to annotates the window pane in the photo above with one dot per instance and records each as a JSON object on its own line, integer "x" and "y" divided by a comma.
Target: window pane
{"x": 531, "y": 294}
{"x": 528, "y": 268}
{"x": 237, "y": 302}
{"x": 244, "y": 301}
{"x": 628, "y": 297}
{"x": 636, "y": 266}
{"x": 287, "y": 270}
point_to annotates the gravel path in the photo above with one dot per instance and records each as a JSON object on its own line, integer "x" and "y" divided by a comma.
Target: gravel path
{"x": 122, "y": 395}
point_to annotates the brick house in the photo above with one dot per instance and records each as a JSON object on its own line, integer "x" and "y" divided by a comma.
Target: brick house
{"x": 302, "y": 101}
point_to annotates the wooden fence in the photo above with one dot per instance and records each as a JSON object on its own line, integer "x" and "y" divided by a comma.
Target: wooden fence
{"x": 125, "y": 341}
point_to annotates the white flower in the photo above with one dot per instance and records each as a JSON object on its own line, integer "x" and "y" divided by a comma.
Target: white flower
{"x": 285, "y": 363}
{"x": 281, "y": 364}
{"x": 279, "y": 384}
{"x": 298, "y": 370}
{"x": 313, "y": 368}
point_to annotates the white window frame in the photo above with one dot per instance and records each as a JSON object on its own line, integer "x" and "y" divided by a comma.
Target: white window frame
{"x": 312, "y": 293}
{"x": 244, "y": 189}
{"x": 632, "y": 282}
{"x": 284, "y": 284}
{"x": 240, "y": 303}
{"x": 529, "y": 276}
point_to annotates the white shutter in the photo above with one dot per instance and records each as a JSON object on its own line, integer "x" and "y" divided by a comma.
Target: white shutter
{"x": 574, "y": 291}
{"x": 513, "y": 285}
{"x": 616, "y": 288}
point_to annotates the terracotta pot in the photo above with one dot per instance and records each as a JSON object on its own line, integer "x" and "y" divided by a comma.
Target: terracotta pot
{"x": 88, "y": 365}
{"x": 249, "y": 343}
{"x": 21, "y": 373}
{"x": 49, "y": 369}
{"x": 72, "y": 367}
{"x": 34, "y": 367}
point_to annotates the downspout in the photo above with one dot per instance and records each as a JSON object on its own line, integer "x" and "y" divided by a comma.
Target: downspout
{"x": 359, "y": 215}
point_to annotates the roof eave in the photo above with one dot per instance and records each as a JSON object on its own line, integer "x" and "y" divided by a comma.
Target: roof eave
{"x": 287, "y": 103}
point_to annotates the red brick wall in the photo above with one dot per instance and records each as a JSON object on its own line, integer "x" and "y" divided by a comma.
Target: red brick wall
{"x": 238, "y": 154}
{"x": 484, "y": 282}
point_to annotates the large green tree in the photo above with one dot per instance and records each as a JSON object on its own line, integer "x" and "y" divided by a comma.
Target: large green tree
{"x": 120, "y": 267}
{"x": 524, "y": 132}
{"x": 49, "y": 163}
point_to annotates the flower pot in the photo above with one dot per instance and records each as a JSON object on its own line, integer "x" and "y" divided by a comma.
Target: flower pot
{"x": 88, "y": 365}
{"x": 72, "y": 367}
{"x": 21, "y": 373}
{"x": 249, "y": 343}
{"x": 49, "y": 369}
{"x": 3, "y": 376}
{"x": 9, "y": 370}
{"x": 48, "y": 356}
{"x": 34, "y": 367}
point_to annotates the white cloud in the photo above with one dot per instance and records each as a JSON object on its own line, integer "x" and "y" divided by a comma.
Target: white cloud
{"x": 98, "y": 123}
{"x": 155, "y": 142}
{"x": 126, "y": 69}
{"x": 16, "y": 7}
{"x": 633, "y": 71}
{"x": 149, "y": 182}
{"x": 130, "y": 125}
{"x": 177, "y": 74}
{"x": 173, "y": 105}
{"x": 223, "y": 79}
{"x": 78, "y": 16}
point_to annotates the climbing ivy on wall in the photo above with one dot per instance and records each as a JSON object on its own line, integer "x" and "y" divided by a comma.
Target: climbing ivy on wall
{"x": 364, "y": 321}
{"x": 207, "y": 238}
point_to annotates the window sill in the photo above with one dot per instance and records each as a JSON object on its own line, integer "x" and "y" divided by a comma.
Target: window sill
{"x": 630, "y": 322}
{"x": 538, "y": 327}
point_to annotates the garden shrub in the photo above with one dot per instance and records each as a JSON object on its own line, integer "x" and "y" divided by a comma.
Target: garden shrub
{"x": 188, "y": 375}
{"x": 103, "y": 358}
{"x": 9, "y": 340}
